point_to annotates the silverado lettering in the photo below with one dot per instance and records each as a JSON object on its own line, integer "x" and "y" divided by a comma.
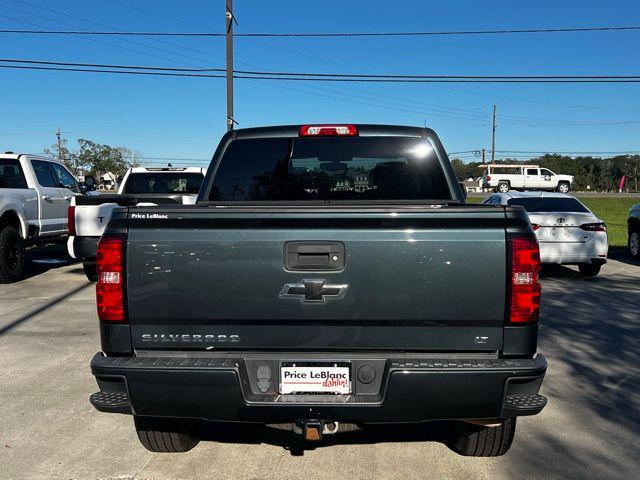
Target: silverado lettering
{"x": 187, "y": 337}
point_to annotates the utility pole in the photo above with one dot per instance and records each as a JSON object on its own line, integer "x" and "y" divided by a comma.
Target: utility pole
{"x": 493, "y": 136}
{"x": 229, "y": 20}
{"x": 483, "y": 160}
{"x": 59, "y": 144}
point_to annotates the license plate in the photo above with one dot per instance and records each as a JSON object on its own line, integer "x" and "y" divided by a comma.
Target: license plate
{"x": 315, "y": 377}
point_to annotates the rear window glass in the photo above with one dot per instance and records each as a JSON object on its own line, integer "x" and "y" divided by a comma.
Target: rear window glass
{"x": 174, "y": 182}
{"x": 321, "y": 169}
{"x": 11, "y": 175}
{"x": 549, "y": 204}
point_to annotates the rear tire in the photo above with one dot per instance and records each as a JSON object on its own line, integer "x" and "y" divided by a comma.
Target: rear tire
{"x": 90, "y": 271}
{"x": 563, "y": 187}
{"x": 478, "y": 441}
{"x": 504, "y": 187}
{"x": 11, "y": 255}
{"x": 634, "y": 244}
{"x": 165, "y": 435}
{"x": 590, "y": 269}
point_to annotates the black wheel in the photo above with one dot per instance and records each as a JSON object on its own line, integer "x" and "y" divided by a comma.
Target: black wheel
{"x": 479, "y": 441}
{"x": 11, "y": 255}
{"x": 634, "y": 244}
{"x": 589, "y": 269}
{"x": 90, "y": 271}
{"x": 563, "y": 187}
{"x": 165, "y": 435}
{"x": 503, "y": 187}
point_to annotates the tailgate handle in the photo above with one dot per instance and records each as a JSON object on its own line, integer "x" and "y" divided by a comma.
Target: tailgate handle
{"x": 314, "y": 256}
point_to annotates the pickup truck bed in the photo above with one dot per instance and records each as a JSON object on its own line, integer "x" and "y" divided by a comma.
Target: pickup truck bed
{"x": 289, "y": 312}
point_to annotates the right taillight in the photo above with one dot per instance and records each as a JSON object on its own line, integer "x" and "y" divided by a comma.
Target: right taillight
{"x": 110, "y": 286}
{"x": 488, "y": 177}
{"x": 594, "y": 227}
{"x": 524, "y": 285}
{"x": 71, "y": 220}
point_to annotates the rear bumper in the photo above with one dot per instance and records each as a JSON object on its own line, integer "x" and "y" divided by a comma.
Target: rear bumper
{"x": 573, "y": 253}
{"x": 224, "y": 388}
{"x": 83, "y": 248}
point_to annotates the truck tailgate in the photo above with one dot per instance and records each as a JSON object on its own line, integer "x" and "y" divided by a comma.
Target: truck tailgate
{"x": 428, "y": 279}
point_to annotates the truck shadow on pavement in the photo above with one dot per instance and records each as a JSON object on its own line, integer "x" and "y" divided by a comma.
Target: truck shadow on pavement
{"x": 590, "y": 329}
{"x": 595, "y": 322}
{"x": 39, "y": 260}
{"x": 370, "y": 434}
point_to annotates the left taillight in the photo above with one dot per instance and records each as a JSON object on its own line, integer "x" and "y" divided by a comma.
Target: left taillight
{"x": 594, "y": 227}
{"x": 110, "y": 286}
{"x": 524, "y": 284}
{"x": 71, "y": 220}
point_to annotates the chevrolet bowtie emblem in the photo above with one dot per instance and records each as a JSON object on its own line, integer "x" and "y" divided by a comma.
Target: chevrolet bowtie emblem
{"x": 313, "y": 291}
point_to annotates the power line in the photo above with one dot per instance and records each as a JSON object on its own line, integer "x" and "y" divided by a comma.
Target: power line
{"x": 634, "y": 79}
{"x": 107, "y": 65}
{"x": 330, "y": 34}
{"x": 334, "y": 77}
{"x": 340, "y": 89}
{"x": 94, "y": 40}
{"x": 290, "y": 51}
{"x": 103, "y": 25}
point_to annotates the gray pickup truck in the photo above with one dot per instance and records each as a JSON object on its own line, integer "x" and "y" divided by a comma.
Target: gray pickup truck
{"x": 328, "y": 278}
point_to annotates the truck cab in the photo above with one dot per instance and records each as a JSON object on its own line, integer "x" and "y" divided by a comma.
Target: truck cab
{"x": 35, "y": 193}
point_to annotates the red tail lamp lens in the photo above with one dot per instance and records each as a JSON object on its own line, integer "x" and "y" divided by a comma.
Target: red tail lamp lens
{"x": 524, "y": 306}
{"x": 594, "y": 227}
{"x": 110, "y": 287}
{"x": 71, "y": 220}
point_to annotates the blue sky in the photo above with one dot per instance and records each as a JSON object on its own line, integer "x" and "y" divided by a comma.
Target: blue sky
{"x": 181, "y": 117}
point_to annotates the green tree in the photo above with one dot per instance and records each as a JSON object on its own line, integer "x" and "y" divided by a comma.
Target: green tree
{"x": 100, "y": 158}
{"x": 62, "y": 154}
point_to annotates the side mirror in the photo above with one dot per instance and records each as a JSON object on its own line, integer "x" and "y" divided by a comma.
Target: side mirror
{"x": 89, "y": 183}
{"x": 463, "y": 189}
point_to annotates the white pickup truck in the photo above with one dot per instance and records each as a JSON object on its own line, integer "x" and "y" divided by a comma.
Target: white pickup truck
{"x": 505, "y": 177}
{"x": 34, "y": 195}
{"x": 143, "y": 186}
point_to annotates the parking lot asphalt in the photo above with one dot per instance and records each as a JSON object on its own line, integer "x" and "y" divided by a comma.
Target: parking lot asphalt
{"x": 590, "y": 333}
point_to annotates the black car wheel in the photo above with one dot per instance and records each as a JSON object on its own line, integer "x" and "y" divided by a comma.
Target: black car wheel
{"x": 634, "y": 244}
{"x": 11, "y": 255}
{"x": 90, "y": 271}
{"x": 590, "y": 269}
{"x": 480, "y": 441}
{"x": 165, "y": 435}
